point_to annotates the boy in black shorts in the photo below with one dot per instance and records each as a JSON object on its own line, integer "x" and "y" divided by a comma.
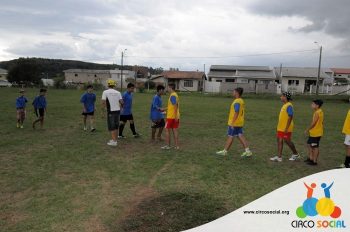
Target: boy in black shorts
{"x": 40, "y": 106}
{"x": 88, "y": 100}
{"x": 126, "y": 112}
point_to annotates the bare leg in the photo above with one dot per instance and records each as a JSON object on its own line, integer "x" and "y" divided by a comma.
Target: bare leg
{"x": 160, "y": 130}
{"x": 41, "y": 122}
{"x": 167, "y": 136}
{"x": 279, "y": 147}
{"x": 315, "y": 154}
{"x": 176, "y": 137}
{"x": 243, "y": 141}
{"x": 114, "y": 134}
{"x": 92, "y": 120}
{"x": 84, "y": 120}
{"x": 291, "y": 146}
{"x": 310, "y": 152}
{"x": 229, "y": 142}
{"x": 154, "y": 130}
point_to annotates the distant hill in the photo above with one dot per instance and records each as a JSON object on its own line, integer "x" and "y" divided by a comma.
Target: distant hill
{"x": 55, "y": 67}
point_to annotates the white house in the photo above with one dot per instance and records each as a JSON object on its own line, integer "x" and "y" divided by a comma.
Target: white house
{"x": 3, "y": 74}
{"x": 184, "y": 80}
{"x": 79, "y": 76}
{"x": 303, "y": 80}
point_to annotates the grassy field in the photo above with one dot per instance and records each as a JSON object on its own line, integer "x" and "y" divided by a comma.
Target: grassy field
{"x": 64, "y": 179}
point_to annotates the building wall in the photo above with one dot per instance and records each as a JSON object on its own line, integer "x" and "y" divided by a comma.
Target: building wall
{"x": 195, "y": 87}
{"x": 294, "y": 88}
{"x": 87, "y": 77}
{"x": 3, "y": 76}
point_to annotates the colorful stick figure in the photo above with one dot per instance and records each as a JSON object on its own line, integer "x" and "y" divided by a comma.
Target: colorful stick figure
{"x": 327, "y": 192}
{"x": 310, "y": 189}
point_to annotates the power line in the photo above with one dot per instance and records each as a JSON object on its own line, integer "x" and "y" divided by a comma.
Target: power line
{"x": 221, "y": 57}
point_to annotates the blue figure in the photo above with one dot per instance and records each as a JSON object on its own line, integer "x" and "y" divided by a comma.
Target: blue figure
{"x": 327, "y": 192}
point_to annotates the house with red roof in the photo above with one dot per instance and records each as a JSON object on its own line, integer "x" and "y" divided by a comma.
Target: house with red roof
{"x": 341, "y": 75}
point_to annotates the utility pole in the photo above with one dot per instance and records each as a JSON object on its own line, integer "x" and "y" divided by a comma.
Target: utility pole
{"x": 280, "y": 74}
{"x": 203, "y": 85}
{"x": 319, "y": 71}
{"x": 121, "y": 71}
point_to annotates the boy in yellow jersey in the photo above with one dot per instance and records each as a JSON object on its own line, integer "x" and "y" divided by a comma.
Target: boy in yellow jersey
{"x": 315, "y": 132}
{"x": 235, "y": 124}
{"x": 346, "y": 131}
{"x": 172, "y": 118}
{"x": 285, "y": 128}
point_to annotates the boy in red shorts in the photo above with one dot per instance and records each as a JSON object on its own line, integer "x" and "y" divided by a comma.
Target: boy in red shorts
{"x": 172, "y": 118}
{"x": 285, "y": 128}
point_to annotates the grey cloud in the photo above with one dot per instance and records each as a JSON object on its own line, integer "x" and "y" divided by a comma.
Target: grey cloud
{"x": 330, "y": 16}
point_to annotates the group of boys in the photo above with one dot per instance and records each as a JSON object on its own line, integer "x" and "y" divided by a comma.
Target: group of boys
{"x": 39, "y": 104}
{"x": 119, "y": 112}
{"x": 285, "y": 129}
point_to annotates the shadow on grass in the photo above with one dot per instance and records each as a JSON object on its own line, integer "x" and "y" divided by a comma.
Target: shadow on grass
{"x": 173, "y": 211}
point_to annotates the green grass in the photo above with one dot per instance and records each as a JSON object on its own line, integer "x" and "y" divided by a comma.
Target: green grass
{"x": 64, "y": 179}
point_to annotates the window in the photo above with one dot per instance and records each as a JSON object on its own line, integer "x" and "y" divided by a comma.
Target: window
{"x": 218, "y": 80}
{"x": 293, "y": 82}
{"x": 209, "y": 78}
{"x": 188, "y": 83}
{"x": 75, "y": 75}
{"x": 244, "y": 81}
{"x": 230, "y": 80}
{"x": 95, "y": 75}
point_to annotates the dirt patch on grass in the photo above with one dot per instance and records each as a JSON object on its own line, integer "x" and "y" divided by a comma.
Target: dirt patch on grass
{"x": 173, "y": 211}
{"x": 12, "y": 218}
{"x": 94, "y": 224}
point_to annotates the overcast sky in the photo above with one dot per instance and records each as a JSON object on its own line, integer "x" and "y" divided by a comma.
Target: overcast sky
{"x": 185, "y": 34}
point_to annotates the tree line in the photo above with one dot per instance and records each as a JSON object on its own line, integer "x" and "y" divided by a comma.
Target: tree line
{"x": 32, "y": 70}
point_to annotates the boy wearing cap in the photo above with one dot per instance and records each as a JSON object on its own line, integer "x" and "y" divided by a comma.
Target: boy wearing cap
{"x": 21, "y": 109}
{"x": 315, "y": 132}
{"x": 285, "y": 128}
{"x": 111, "y": 102}
{"x": 346, "y": 131}
{"x": 126, "y": 112}
{"x": 40, "y": 105}
{"x": 88, "y": 100}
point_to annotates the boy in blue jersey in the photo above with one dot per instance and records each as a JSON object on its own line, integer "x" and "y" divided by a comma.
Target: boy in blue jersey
{"x": 126, "y": 112}
{"x": 157, "y": 114}
{"x": 88, "y": 100}
{"x": 40, "y": 105}
{"x": 21, "y": 109}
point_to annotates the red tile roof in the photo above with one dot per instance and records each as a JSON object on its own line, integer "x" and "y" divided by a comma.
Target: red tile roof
{"x": 183, "y": 74}
{"x": 341, "y": 70}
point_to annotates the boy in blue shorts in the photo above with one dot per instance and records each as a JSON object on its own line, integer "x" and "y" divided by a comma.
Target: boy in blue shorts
{"x": 21, "y": 109}
{"x": 235, "y": 124}
{"x": 40, "y": 105}
{"x": 126, "y": 112}
{"x": 88, "y": 100}
{"x": 157, "y": 115}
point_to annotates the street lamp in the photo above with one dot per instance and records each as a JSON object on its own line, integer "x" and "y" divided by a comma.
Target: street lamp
{"x": 319, "y": 67}
{"x": 121, "y": 70}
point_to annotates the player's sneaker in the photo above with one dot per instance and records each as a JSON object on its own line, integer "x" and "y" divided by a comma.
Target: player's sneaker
{"x": 166, "y": 147}
{"x": 137, "y": 135}
{"x": 17, "y": 125}
{"x": 294, "y": 157}
{"x": 21, "y": 127}
{"x": 177, "y": 148}
{"x": 223, "y": 152}
{"x": 85, "y": 128}
{"x": 247, "y": 154}
{"x": 121, "y": 137}
{"x": 342, "y": 166}
{"x": 276, "y": 159}
{"x": 93, "y": 130}
{"x": 112, "y": 143}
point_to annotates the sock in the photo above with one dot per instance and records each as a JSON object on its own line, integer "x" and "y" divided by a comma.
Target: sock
{"x": 247, "y": 149}
{"x": 132, "y": 127}
{"x": 347, "y": 161}
{"x": 121, "y": 128}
